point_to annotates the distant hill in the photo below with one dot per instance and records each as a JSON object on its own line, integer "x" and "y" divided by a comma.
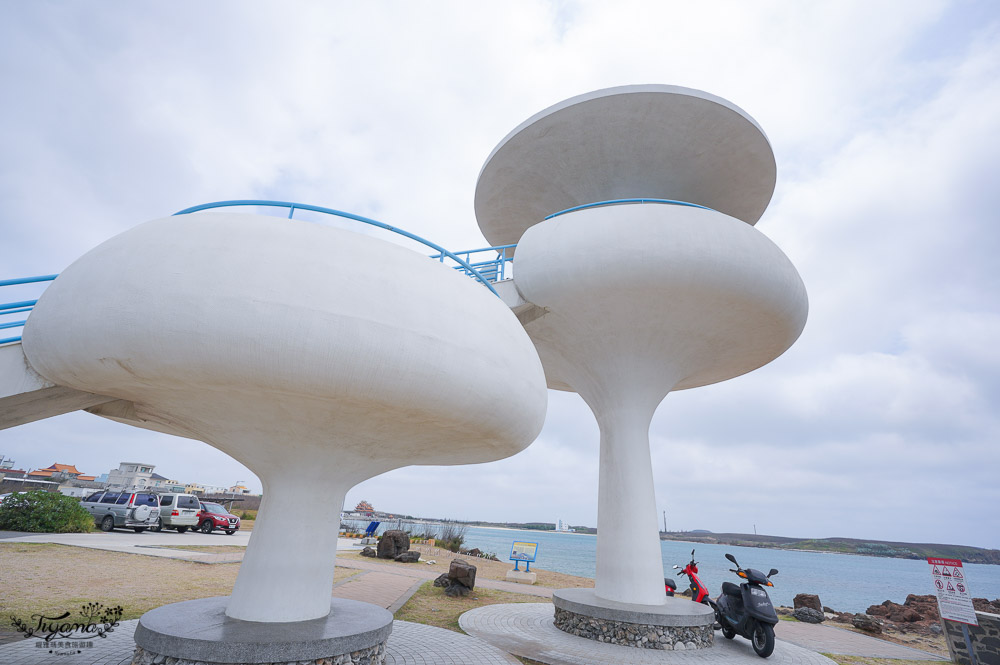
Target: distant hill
{"x": 884, "y": 548}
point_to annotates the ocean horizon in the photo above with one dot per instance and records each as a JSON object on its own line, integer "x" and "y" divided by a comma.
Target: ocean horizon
{"x": 844, "y": 582}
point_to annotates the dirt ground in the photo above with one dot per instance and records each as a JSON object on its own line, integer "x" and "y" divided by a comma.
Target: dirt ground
{"x": 485, "y": 569}
{"x": 46, "y": 578}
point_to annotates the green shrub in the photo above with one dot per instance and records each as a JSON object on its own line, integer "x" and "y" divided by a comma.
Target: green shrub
{"x": 248, "y": 515}
{"x": 41, "y": 511}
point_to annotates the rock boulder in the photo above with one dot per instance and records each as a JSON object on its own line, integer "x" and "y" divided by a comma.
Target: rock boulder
{"x": 462, "y": 572}
{"x": 809, "y": 600}
{"x": 368, "y": 552}
{"x": 409, "y": 556}
{"x": 392, "y": 544}
{"x": 808, "y": 615}
{"x": 867, "y": 623}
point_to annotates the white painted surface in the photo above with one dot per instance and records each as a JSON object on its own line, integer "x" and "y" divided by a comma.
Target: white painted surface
{"x": 26, "y": 397}
{"x": 640, "y": 300}
{"x": 652, "y": 141}
{"x": 317, "y": 357}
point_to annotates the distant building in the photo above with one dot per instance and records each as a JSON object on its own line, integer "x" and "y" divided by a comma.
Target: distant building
{"x": 238, "y": 489}
{"x": 564, "y": 527}
{"x": 130, "y": 475}
{"x": 102, "y": 479}
{"x": 194, "y": 488}
{"x": 58, "y": 473}
{"x": 364, "y": 508}
{"x": 163, "y": 484}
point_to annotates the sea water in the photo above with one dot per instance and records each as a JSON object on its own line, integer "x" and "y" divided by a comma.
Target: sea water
{"x": 843, "y": 582}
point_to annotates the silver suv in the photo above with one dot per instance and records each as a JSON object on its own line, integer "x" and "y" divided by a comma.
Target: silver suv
{"x": 178, "y": 511}
{"x": 135, "y": 510}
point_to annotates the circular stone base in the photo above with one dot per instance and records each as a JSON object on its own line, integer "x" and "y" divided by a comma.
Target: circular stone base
{"x": 678, "y": 624}
{"x": 199, "y": 631}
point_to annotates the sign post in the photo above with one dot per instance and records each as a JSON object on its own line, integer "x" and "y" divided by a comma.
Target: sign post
{"x": 953, "y": 596}
{"x": 525, "y": 552}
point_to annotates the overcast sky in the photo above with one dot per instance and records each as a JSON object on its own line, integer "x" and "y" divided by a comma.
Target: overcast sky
{"x": 881, "y": 422}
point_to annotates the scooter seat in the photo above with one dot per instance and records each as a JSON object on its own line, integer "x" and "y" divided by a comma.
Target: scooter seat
{"x": 731, "y": 589}
{"x": 667, "y": 582}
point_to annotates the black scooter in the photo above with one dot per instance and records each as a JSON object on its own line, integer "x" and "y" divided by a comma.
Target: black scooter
{"x": 747, "y": 610}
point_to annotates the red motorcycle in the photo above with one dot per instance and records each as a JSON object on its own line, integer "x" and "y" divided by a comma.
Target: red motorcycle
{"x": 699, "y": 593}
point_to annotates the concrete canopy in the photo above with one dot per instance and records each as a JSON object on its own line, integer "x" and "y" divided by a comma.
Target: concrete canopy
{"x": 315, "y": 356}
{"x": 639, "y": 141}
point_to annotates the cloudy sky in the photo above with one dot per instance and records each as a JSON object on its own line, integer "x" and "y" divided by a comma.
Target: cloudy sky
{"x": 881, "y": 422}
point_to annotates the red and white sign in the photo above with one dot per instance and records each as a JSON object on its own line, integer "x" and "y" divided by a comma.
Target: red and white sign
{"x": 954, "y": 599}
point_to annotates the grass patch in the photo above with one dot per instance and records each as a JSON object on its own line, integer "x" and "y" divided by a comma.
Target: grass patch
{"x": 430, "y": 606}
{"x": 47, "y": 578}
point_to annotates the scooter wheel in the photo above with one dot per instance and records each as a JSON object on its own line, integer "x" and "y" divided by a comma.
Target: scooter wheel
{"x": 728, "y": 631}
{"x": 763, "y": 639}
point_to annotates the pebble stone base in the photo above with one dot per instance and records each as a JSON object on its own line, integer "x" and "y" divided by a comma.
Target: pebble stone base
{"x": 374, "y": 655}
{"x": 645, "y": 636}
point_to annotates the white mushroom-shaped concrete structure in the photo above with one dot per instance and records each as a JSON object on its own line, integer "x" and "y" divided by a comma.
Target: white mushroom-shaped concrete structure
{"x": 633, "y": 211}
{"x": 318, "y": 357}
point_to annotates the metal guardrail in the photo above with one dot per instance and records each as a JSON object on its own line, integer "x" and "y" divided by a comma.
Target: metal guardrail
{"x": 495, "y": 267}
{"x": 613, "y": 202}
{"x": 292, "y": 207}
{"x": 18, "y": 307}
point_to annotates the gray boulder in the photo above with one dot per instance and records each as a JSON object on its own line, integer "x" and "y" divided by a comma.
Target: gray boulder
{"x": 368, "y": 552}
{"x": 392, "y": 544}
{"x": 808, "y": 615}
{"x": 867, "y": 623}
{"x": 442, "y": 580}
{"x": 409, "y": 556}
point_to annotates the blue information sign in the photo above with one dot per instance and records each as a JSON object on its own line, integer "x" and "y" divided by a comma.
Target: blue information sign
{"x": 522, "y": 551}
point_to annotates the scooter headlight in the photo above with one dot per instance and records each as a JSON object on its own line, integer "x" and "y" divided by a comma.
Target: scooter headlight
{"x": 742, "y": 574}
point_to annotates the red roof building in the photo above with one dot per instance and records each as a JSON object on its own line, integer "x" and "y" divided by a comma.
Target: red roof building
{"x": 59, "y": 472}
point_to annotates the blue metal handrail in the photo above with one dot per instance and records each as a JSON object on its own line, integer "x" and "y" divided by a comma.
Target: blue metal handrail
{"x": 20, "y": 306}
{"x": 292, "y": 207}
{"x": 612, "y": 202}
{"x": 495, "y": 268}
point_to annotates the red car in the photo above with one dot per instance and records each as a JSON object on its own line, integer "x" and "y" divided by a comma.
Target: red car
{"x": 213, "y": 516}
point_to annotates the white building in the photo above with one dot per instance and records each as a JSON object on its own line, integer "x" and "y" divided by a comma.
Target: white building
{"x": 130, "y": 475}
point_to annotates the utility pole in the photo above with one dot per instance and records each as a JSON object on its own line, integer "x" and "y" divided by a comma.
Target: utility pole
{"x": 664, "y": 521}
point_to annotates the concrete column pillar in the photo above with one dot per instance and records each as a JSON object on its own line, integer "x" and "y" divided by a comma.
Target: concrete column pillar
{"x": 287, "y": 571}
{"x": 629, "y": 563}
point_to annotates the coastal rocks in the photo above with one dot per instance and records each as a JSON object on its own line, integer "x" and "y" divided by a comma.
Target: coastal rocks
{"x": 983, "y": 605}
{"x": 925, "y": 605}
{"x": 669, "y": 638}
{"x": 393, "y": 543}
{"x": 368, "y": 552}
{"x": 808, "y": 615}
{"x": 867, "y": 623}
{"x": 409, "y": 556}
{"x": 809, "y": 600}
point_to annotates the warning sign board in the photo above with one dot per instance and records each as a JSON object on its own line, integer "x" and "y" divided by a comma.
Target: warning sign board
{"x": 954, "y": 599}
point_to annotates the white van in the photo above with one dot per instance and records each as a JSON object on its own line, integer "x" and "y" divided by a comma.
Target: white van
{"x": 178, "y": 511}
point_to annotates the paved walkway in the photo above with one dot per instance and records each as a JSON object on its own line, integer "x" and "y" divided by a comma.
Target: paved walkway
{"x": 409, "y": 644}
{"x": 150, "y": 543}
{"x": 831, "y": 639}
{"x": 528, "y": 630}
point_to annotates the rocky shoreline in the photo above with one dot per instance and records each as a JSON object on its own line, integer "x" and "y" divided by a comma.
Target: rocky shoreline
{"x": 918, "y": 614}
